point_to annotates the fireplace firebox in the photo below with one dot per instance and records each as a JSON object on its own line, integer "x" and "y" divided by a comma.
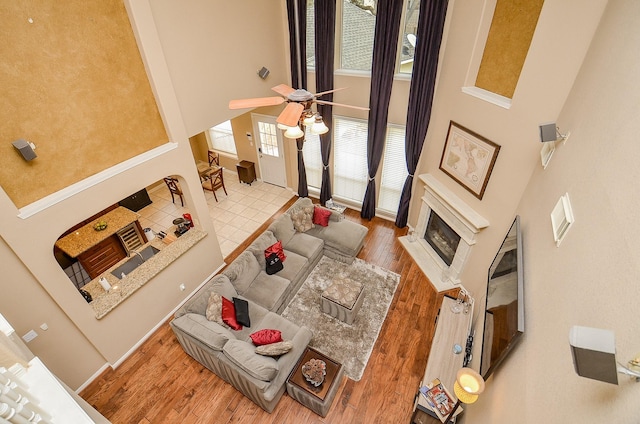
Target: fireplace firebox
{"x": 442, "y": 238}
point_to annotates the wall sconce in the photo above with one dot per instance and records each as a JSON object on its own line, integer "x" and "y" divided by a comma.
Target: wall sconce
{"x": 594, "y": 355}
{"x": 549, "y": 135}
{"x": 26, "y": 149}
{"x": 468, "y": 386}
{"x": 561, "y": 218}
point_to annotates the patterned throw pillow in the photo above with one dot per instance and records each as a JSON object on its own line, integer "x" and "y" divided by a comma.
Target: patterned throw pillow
{"x": 302, "y": 218}
{"x": 214, "y": 309}
{"x": 275, "y": 349}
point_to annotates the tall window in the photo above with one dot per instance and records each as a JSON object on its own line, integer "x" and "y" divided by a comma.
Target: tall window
{"x": 350, "y": 173}
{"x": 408, "y": 41}
{"x": 358, "y": 28}
{"x": 394, "y": 170}
{"x": 312, "y": 159}
{"x": 221, "y": 138}
{"x": 311, "y": 35}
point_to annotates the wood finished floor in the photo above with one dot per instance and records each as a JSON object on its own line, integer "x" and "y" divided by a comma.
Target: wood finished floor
{"x": 160, "y": 383}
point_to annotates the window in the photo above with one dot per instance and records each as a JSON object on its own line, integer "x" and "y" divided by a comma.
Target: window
{"x": 268, "y": 138}
{"x": 350, "y": 173}
{"x": 312, "y": 159}
{"x": 221, "y": 138}
{"x": 358, "y": 28}
{"x": 408, "y": 41}
{"x": 394, "y": 170}
{"x": 311, "y": 35}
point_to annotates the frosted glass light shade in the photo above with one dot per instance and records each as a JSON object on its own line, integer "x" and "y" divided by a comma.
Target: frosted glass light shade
{"x": 282, "y": 126}
{"x": 309, "y": 120}
{"x": 294, "y": 132}
{"x": 319, "y": 126}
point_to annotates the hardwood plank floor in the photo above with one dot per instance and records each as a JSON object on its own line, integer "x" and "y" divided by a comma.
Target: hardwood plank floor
{"x": 160, "y": 383}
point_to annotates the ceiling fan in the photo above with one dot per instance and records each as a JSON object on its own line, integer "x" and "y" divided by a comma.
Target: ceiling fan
{"x": 298, "y": 108}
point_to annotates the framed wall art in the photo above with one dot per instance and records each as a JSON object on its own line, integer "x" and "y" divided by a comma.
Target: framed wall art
{"x": 468, "y": 158}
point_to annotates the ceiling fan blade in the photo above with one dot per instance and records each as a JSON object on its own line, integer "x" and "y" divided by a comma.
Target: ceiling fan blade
{"x": 256, "y": 102}
{"x": 330, "y": 91}
{"x": 283, "y": 89}
{"x": 340, "y": 104}
{"x": 290, "y": 116}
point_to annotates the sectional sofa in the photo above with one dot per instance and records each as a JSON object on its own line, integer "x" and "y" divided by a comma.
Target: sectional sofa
{"x": 230, "y": 354}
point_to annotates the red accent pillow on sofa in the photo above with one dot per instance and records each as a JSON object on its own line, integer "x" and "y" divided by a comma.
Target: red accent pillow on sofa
{"x": 277, "y": 249}
{"x": 229, "y": 314}
{"x": 265, "y": 337}
{"x": 321, "y": 216}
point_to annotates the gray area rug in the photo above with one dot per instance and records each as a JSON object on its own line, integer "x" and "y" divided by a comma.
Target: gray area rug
{"x": 351, "y": 345}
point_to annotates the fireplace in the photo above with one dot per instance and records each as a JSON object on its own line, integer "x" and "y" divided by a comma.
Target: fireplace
{"x": 447, "y": 228}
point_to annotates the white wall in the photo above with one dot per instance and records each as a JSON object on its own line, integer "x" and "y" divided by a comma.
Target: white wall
{"x": 591, "y": 279}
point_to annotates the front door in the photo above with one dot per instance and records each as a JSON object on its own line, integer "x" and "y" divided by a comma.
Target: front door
{"x": 270, "y": 151}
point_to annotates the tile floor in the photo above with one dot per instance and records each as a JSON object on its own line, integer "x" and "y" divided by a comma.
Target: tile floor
{"x": 235, "y": 215}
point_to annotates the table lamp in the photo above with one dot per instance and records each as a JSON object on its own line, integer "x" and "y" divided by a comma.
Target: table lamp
{"x": 468, "y": 386}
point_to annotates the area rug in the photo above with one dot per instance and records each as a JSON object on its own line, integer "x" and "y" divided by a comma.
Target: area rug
{"x": 351, "y": 345}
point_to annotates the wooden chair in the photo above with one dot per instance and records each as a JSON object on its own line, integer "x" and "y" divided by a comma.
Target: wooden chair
{"x": 213, "y": 157}
{"x": 215, "y": 182}
{"x": 174, "y": 188}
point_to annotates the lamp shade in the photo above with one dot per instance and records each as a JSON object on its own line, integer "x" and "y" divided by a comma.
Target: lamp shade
{"x": 469, "y": 384}
{"x": 309, "y": 120}
{"x": 294, "y": 132}
{"x": 283, "y": 126}
{"x": 319, "y": 126}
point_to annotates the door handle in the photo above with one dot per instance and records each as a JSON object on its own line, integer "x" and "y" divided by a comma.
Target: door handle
{"x": 260, "y": 149}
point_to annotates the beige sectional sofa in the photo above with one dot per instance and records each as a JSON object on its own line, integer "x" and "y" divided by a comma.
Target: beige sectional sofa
{"x": 230, "y": 354}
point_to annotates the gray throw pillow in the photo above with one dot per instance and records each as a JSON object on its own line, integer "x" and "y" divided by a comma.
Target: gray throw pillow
{"x": 275, "y": 349}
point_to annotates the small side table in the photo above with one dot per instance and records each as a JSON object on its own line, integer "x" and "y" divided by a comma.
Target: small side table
{"x": 318, "y": 399}
{"x": 246, "y": 172}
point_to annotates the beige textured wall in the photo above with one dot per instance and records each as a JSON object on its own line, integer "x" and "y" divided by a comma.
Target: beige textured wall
{"x": 591, "y": 279}
{"x": 73, "y": 84}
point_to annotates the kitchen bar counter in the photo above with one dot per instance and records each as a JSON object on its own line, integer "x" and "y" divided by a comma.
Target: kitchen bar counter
{"x": 86, "y": 237}
{"x": 104, "y": 302}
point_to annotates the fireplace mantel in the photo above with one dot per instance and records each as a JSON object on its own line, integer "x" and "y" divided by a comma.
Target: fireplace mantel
{"x": 463, "y": 219}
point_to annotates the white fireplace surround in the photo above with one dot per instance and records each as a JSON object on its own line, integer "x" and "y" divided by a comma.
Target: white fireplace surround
{"x": 466, "y": 222}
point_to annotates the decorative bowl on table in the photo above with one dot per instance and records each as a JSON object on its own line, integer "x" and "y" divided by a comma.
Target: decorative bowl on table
{"x": 314, "y": 371}
{"x": 100, "y": 225}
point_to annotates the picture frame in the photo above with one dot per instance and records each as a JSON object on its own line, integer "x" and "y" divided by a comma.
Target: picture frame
{"x": 468, "y": 158}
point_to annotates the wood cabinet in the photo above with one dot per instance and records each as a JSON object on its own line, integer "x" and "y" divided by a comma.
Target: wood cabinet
{"x": 246, "y": 172}
{"x": 136, "y": 201}
{"x": 102, "y": 256}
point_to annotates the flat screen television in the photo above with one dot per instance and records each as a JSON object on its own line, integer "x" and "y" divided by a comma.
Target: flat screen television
{"x": 504, "y": 312}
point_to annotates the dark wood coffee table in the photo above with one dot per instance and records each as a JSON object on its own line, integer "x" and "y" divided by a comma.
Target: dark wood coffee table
{"x": 318, "y": 399}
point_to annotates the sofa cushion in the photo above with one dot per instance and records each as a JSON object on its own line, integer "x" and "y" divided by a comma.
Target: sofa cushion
{"x": 229, "y": 314}
{"x": 302, "y": 218}
{"x": 305, "y": 245}
{"x": 257, "y": 366}
{"x": 266, "y": 336}
{"x": 321, "y": 216}
{"x": 214, "y": 309}
{"x": 268, "y": 291}
{"x": 242, "y": 271}
{"x": 207, "y": 332}
{"x": 345, "y": 236}
{"x": 198, "y": 303}
{"x": 274, "y": 349}
{"x": 282, "y": 228}
{"x": 262, "y": 242}
{"x": 294, "y": 267}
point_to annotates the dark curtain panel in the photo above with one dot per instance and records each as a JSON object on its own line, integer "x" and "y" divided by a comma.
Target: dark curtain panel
{"x": 425, "y": 66}
{"x": 325, "y": 23}
{"x": 298, "y": 48}
{"x": 385, "y": 44}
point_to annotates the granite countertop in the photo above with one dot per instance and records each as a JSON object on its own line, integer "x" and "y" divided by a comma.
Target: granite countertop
{"x": 86, "y": 237}
{"x": 104, "y": 302}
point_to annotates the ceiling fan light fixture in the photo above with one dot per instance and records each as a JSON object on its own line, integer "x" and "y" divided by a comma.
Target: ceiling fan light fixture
{"x": 319, "y": 127}
{"x": 294, "y": 132}
{"x": 283, "y": 126}
{"x": 309, "y": 120}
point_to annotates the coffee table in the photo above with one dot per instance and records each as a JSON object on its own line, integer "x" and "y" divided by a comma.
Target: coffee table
{"x": 318, "y": 399}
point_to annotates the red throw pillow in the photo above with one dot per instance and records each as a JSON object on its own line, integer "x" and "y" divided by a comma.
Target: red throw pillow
{"x": 321, "y": 216}
{"x": 277, "y": 249}
{"x": 265, "y": 337}
{"x": 229, "y": 314}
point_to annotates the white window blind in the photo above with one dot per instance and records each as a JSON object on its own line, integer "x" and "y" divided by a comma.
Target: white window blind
{"x": 221, "y": 138}
{"x": 394, "y": 170}
{"x": 350, "y": 159}
{"x": 312, "y": 159}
